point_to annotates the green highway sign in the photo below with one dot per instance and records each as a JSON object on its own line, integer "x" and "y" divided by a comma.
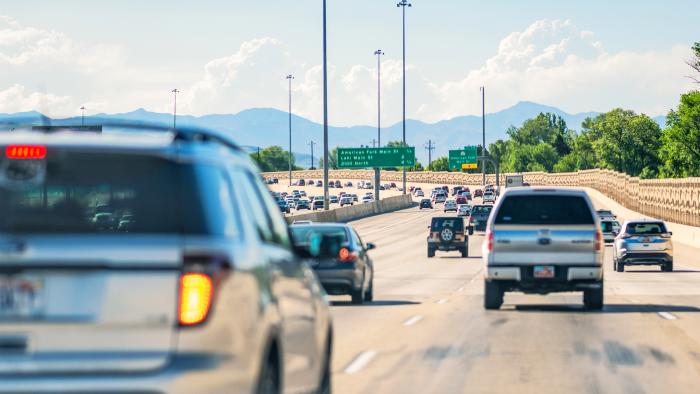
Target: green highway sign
{"x": 463, "y": 159}
{"x": 376, "y": 157}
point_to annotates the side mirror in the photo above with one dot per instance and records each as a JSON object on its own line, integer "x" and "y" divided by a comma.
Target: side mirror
{"x": 471, "y": 230}
{"x": 428, "y": 227}
{"x": 371, "y": 246}
{"x": 670, "y": 233}
{"x": 615, "y": 233}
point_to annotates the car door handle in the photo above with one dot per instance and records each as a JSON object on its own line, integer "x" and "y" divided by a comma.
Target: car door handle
{"x": 503, "y": 241}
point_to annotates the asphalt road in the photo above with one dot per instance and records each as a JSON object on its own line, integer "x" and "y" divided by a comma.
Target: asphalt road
{"x": 427, "y": 331}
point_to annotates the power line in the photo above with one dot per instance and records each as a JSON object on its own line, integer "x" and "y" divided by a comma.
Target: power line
{"x": 430, "y": 147}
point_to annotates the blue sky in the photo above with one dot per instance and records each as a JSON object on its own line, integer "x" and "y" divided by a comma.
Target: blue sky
{"x": 226, "y": 56}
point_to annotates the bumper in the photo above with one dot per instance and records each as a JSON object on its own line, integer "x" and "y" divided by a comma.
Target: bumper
{"x": 566, "y": 278}
{"x": 445, "y": 247}
{"x": 636, "y": 258}
{"x": 339, "y": 281}
{"x": 202, "y": 373}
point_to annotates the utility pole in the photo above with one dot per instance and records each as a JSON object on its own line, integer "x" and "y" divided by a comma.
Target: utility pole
{"x": 483, "y": 136}
{"x": 374, "y": 143}
{"x": 377, "y": 170}
{"x": 82, "y": 118}
{"x": 430, "y": 147}
{"x": 403, "y": 4}
{"x": 258, "y": 154}
{"x": 312, "y": 154}
{"x": 325, "y": 114}
{"x": 175, "y": 92}
{"x": 289, "y": 78}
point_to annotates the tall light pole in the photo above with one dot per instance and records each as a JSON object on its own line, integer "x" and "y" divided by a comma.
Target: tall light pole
{"x": 377, "y": 170}
{"x": 403, "y": 4}
{"x": 289, "y": 78}
{"x": 175, "y": 92}
{"x": 483, "y": 135}
{"x": 312, "y": 154}
{"x": 82, "y": 117}
{"x": 325, "y": 113}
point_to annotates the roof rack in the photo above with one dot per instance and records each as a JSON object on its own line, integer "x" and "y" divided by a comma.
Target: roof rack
{"x": 198, "y": 135}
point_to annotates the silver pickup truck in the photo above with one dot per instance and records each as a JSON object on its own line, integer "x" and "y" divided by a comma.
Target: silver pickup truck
{"x": 542, "y": 241}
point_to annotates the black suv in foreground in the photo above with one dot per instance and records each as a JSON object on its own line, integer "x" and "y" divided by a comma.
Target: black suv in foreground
{"x": 447, "y": 234}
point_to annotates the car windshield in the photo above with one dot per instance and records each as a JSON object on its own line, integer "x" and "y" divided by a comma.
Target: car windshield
{"x": 544, "y": 210}
{"x": 302, "y": 234}
{"x": 645, "y": 228}
{"x": 456, "y": 223}
{"x": 482, "y": 209}
{"x": 606, "y": 227}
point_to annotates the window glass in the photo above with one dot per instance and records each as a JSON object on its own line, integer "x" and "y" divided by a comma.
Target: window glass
{"x": 250, "y": 198}
{"x": 544, "y": 209}
{"x": 278, "y": 225}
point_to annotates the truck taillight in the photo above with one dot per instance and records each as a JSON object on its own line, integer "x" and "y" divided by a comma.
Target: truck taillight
{"x": 489, "y": 241}
{"x": 598, "y": 241}
{"x": 198, "y": 282}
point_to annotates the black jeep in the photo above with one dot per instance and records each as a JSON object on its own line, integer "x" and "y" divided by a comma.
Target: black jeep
{"x": 446, "y": 234}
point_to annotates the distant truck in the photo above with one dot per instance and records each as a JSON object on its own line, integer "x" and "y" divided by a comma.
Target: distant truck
{"x": 514, "y": 181}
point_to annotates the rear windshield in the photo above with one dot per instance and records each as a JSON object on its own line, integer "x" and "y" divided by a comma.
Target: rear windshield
{"x": 456, "y": 223}
{"x": 645, "y": 228}
{"x": 606, "y": 227}
{"x": 106, "y": 193}
{"x": 302, "y": 234}
{"x": 544, "y": 209}
{"x": 482, "y": 209}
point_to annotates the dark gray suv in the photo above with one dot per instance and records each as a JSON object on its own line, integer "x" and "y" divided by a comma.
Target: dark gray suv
{"x": 150, "y": 262}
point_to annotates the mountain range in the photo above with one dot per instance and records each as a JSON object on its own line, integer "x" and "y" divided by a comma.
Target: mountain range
{"x": 262, "y": 127}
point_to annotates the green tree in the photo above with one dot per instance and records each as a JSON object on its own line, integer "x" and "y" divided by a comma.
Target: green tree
{"x": 628, "y": 142}
{"x": 695, "y": 62}
{"x": 273, "y": 158}
{"x": 581, "y": 157}
{"x": 332, "y": 160}
{"x": 681, "y": 139}
{"x": 440, "y": 164}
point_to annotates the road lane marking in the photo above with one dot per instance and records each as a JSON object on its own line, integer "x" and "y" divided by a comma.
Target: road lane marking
{"x": 360, "y": 362}
{"x": 442, "y": 301}
{"x": 667, "y": 316}
{"x": 413, "y": 320}
{"x": 461, "y": 289}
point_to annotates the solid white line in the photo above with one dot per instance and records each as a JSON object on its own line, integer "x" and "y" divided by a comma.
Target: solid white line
{"x": 360, "y": 362}
{"x": 413, "y": 320}
{"x": 667, "y": 316}
{"x": 442, "y": 301}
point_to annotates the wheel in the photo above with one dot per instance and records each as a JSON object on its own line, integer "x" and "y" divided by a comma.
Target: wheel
{"x": 667, "y": 267}
{"x": 269, "y": 380}
{"x": 493, "y": 295}
{"x": 358, "y": 296}
{"x": 620, "y": 266}
{"x": 431, "y": 252}
{"x": 369, "y": 294}
{"x": 465, "y": 251}
{"x": 593, "y": 298}
{"x": 326, "y": 374}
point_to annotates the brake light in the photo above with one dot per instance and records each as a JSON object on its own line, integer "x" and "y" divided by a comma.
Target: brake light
{"x": 25, "y": 152}
{"x": 346, "y": 256}
{"x": 598, "y": 241}
{"x": 196, "y": 291}
{"x": 489, "y": 241}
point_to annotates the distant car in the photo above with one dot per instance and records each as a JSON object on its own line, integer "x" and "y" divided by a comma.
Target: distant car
{"x": 606, "y": 228}
{"x": 317, "y": 204}
{"x": 464, "y": 210}
{"x": 311, "y": 182}
{"x": 346, "y": 200}
{"x": 319, "y": 184}
{"x": 382, "y": 187}
{"x": 303, "y": 204}
{"x": 370, "y": 194}
{"x": 338, "y": 185}
{"x": 467, "y": 195}
{"x": 415, "y": 190}
{"x": 447, "y": 234}
{"x": 392, "y": 185}
{"x": 367, "y": 199}
{"x": 478, "y": 193}
{"x": 354, "y": 197}
{"x": 419, "y": 193}
{"x": 643, "y": 242}
{"x": 284, "y": 207}
{"x": 606, "y": 214}
{"x": 275, "y": 180}
{"x": 333, "y": 199}
{"x": 456, "y": 190}
{"x": 301, "y": 182}
{"x": 425, "y": 203}
{"x": 460, "y": 199}
{"x": 489, "y": 197}
{"x": 440, "y": 198}
{"x": 343, "y": 265}
{"x": 348, "y": 184}
{"x": 450, "y": 205}
{"x": 302, "y": 193}
{"x": 478, "y": 217}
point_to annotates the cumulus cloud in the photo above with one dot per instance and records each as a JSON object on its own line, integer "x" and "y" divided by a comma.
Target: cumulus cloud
{"x": 16, "y": 98}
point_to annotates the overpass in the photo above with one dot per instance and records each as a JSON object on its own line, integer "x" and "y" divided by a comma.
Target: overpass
{"x": 427, "y": 330}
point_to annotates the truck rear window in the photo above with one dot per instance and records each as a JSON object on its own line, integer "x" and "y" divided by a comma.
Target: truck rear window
{"x": 110, "y": 193}
{"x": 545, "y": 210}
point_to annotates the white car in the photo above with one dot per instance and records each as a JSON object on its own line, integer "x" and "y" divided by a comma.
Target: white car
{"x": 367, "y": 199}
{"x": 450, "y": 205}
{"x": 419, "y": 193}
{"x": 489, "y": 197}
{"x": 439, "y": 198}
{"x": 464, "y": 210}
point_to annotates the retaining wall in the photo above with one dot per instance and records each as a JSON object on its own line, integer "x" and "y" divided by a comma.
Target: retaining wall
{"x": 358, "y": 211}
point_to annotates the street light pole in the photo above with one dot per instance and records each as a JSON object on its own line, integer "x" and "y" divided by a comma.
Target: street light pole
{"x": 312, "y": 154}
{"x": 325, "y": 113}
{"x": 377, "y": 170}
{"x": 289, "y": 78}
{"x": 483, "y": 135}
{"x": 82, "y": 117}
{"x": 403, "y": 4}
{"x": 175, "y": 92}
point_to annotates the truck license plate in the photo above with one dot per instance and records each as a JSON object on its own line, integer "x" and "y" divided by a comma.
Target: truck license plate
{"x": 543, "y": 271}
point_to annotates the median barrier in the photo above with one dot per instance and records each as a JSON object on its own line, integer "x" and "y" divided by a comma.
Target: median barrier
{"x": 358, "y": 211}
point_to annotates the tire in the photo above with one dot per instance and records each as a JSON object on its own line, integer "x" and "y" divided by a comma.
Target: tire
{"x": 325, "y": 387}
{"x": 593, "y": 298}
{"x": 358, "y": 296}
{"x": 620, "y": 267}
{"x": 667, "y": 267}
{"x": 369, "y": 294}
{"x": 465, "y": 252}
{"x": 493, "y": 295}
{"x": 431, "y": 252}
{"x": 269, "y": 380}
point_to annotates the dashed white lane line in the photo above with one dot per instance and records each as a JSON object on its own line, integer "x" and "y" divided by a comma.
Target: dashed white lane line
{"x": 668, "y": 316}
{"x": 413, "y": 320}
{"x": 461, "y": 289}
{"x": 442, "y": 301}
{"x": 360, "y": 362}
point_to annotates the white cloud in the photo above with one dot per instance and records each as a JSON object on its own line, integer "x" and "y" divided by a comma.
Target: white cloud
{"x": 17, "y": 99}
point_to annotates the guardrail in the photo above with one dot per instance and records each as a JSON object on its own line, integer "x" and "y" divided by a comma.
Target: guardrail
{"x": 354, "y": 212}
{"x": 675, "y": 200}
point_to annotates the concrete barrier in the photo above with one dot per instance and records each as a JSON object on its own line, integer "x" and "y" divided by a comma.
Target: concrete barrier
{"x": 359, "y": 211}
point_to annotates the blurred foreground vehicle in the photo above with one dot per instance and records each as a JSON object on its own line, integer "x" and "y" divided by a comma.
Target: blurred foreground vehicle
{"x": 542, "y": 241}
{"x": 342, "y": 263}
{"x": 643, "y": 242}
{"x": 150, "y": 262}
